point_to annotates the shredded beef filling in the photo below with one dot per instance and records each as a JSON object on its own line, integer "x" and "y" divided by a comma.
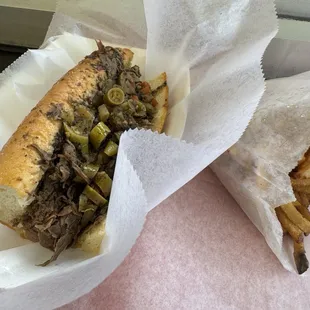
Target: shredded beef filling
{"x": 60, "y": 211}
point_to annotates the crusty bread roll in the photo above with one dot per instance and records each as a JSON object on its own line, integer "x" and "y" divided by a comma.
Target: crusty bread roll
{"x": 20, "y": 164}
{"x": 20, "y": 169}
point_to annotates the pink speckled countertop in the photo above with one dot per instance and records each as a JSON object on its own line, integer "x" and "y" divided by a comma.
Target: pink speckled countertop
{"x": 188, "y": 257}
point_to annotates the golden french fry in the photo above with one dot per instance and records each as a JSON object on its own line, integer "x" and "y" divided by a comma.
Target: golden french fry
{"x": 303, "y": 170}
{"x": 302, "y": 188}
{"x": 302, "y": 210}
{"x": 300, "y": 258}
{"x": 302, "y": 198}
{"x": 295, "y": 217}
{"x": 303, "y": 166}
{"x": 300, "y": 182}
{"x": 298, "y": 198}
{"x": 287, "y": 225}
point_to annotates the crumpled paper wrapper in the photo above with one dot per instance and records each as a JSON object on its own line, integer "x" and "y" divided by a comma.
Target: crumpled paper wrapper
{"x": 255, "y": 170}
{"x": 217, "y": 45}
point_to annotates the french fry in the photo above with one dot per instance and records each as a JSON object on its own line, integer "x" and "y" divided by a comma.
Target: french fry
{"x": 303, "y": 170}
{"x": 303, "y": 166}
{"x": 295, "y": 217}
{"x": 302, "y": 210}
{"x": 302, "y": 188}
{"x": 302, "y": 198}
{"x": 300, "y": 258}
{"x": 300, "y": 182}
{"x": 287, "y": 225}
{"x": 298, "y": 198}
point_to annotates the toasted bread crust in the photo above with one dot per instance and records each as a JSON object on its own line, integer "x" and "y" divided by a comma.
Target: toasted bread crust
{"x": 20, "y": 166}
{"x": 19, "y": 163}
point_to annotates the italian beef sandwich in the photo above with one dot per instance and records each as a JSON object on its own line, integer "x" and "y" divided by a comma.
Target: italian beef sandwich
{"x": 56, "y": 171}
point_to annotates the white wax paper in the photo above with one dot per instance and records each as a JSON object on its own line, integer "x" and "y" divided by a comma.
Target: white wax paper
{"x": 216, "y": 44}
{"x": 255, "y": 170}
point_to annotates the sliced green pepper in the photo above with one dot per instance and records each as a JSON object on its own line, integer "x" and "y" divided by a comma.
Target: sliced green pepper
{"x": 103, "y": 158}
{"x": 86, "y": 205}
{"x": 111, "y": 148}
{"x": 103, "y": 113}
{"x": 85, "y": 119}
{"x": 77, "y": 138}
{"x": 86, "y": 218}
{"x": 88, "y": 214}
{"x": 90, "y": 207}
{"x": 94, "y": 196}
{"x": 84, "y": 112}
{"x": 114, "y": 96}
{"x": 84, "y": 148}
{"x": 90, "y": 170}
{"x": 140, "y": 109}
{"x": 74, "y": 136}
{"x": 104, "y": 182}
{"x": 129, "y": 106}
{"x": 83, "y": 202}
{"x": 118, "y": 135}
{"x": 98, "y": 134}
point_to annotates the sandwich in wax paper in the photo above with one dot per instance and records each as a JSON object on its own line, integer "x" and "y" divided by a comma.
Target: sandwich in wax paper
{"x": 211, "y": 55}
